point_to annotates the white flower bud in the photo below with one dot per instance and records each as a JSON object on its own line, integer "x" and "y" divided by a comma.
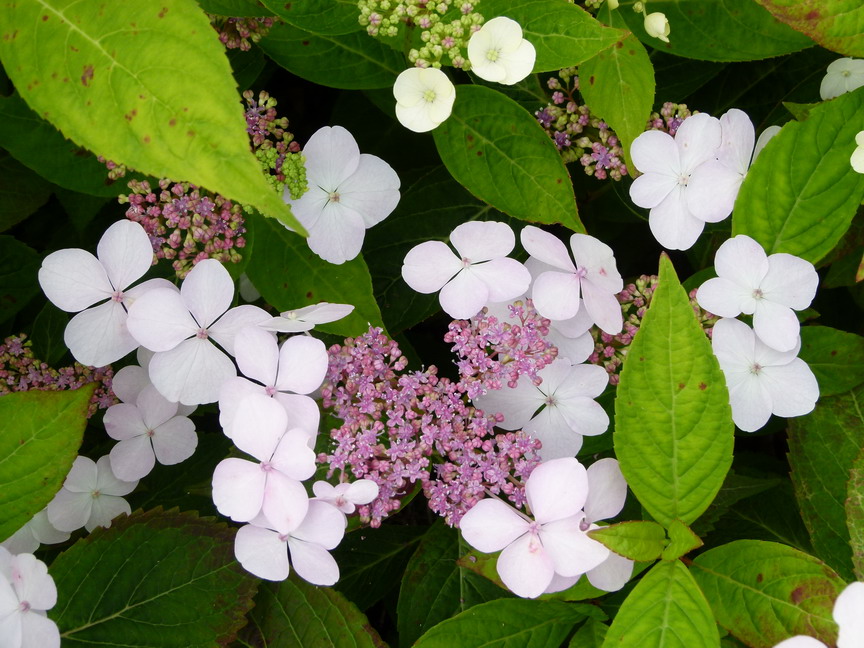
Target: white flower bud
{"x": 657, "y": 26}
{"x": 613, "y": 4}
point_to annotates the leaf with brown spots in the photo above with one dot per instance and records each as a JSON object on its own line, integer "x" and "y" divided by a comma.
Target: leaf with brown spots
{"x": 764, "y": 592}
{"x": 834, "y": 24}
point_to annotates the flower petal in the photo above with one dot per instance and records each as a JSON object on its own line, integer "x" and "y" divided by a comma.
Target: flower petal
{"x": 125, "y": 252}
{"x": 302, "y": 365}
{"x": 338, "y": 233}
{"x": 133, "y": 458}
{"x": 285, "y": 502}
{"x": 38, "y": 631}
{"x": 105, "y": 509}
{"x": 556, "y": 295}
{"x": 332, "y": 155}
{"x": 313, "y": 563}
{"x": 175, "y": 441}
{"x": 74, "y": 279}
{"x": 490, "y": 525}
{"x": 69, "y": 511}
{"x": 712, "y": 190}
{"x": 738, "y": 140}
{"x": 207, "y": 291}
{"x": 293, "y": 456}
{"x": 191, "y": 373}
{"x": 607, "y": 490}
{"x": 124, "y": 421}
{"x": 323, "y": 525}
{"x": 724, "y": 297}
{"x": 790, "y": 281}
{"x": 257, "y": 354}
{"x": 108, "y": 483}
{"x": 800, "y": 641}
{"x": 793, "y": 388}
{"x": 612, "y": 574}
{"x": 464, "y": 295}
{"x": 672, "y": 224}
{"x": 603, "y": 307}
{"x": 525, "y": 568}
{"x": 82, "y": 476}
{"x": 505, "y": 278}
{"x": 258, "y": 425}
{"x": 656, "y": 153}
{"x": 372, "y": 190}
{"x": 226, "y": 328}
{"x": 698, "y": 139}
{"x": 847, "y": 614}
{"x": 98, "y": 336}
{"x": 238, "y": 488}
{"x": 128, "y": 383}
{"x": 160, "y": 320}
{"x": 32, "y": 582}
{"x": 262, "y": 553}
{"x": 571, "y": 550}
{"x": 557, "y": 489}
{"x": 546, "y": 247}
{"x": 598, "y": 260}
{"x": 776, "y": 325}
{"x": 517, "y": 404}
{"x": 483, "y": 240}
{"x": 430, "y": 265}
{"x": 154, "y": 408}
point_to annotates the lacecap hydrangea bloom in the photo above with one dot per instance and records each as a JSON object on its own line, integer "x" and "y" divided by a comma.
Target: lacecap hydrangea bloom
{"x": 26, "y": 592}
{"x": 498, "y": 52}
{"x": 424, "y": 98}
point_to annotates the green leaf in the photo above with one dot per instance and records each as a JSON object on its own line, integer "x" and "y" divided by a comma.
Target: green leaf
{"x": 152, "y": 90}
{"x": 152, "y": 579}
{"x": 294, "y": 613}
{"x": 734, "y": 489}
{"x": 801, "y": 193}
{"x": 35, "y": 425}
{"x": 664, "y": 610}
{"x": 836, "y": 358}
{"x": 496, "y": 150}
{"x": 834, "y": 24}
{"x": 47, "y": 335}
{"x": 434, "y": 587}
{"x": 717, "y": 30}
{"x": 618, "y": 84}
{"x": 563, "y": 34}
{"x": 855, "y": 515}
{"x": 353, "y": 61}
{"x": 331, "y": 17}
{"x": 19, "y": 265}
{"x": 38, "y": 145}
{"x": 764, "y": 592}
{"x": 234, "y": 8}
{"x": 682, "y": 541}
{"x": 508, "y": 623}
{"x": 590, "y": 635}
{"x": 673, "y": 426}
{"x": 823, "y": 447}
{"x": 22, "y": 192}
{"x": 633, "y": 540}
{"x": 302, "y": 278}
{"x": 430, "y": 208}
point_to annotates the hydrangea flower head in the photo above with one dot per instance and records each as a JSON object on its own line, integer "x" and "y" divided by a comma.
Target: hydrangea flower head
{"x": 26, "y": 591}
{"x": 498, "y": 52}
{"x": 761, "y": 381}
{"x": 187, "y": 367}
{"x": 666, "y": 164}
{"x": 594, "y": 276}
{"x": 348, "y": 193}
{"x": 848, "y": 613}
{"x": 534, "y": 551}
{"x": 481, "y": 273}
{"x": 424, "y": 98}
{"x": 74, "y": 280}
{"x": 767, "y": 287}
{"x": 842, "y": 76}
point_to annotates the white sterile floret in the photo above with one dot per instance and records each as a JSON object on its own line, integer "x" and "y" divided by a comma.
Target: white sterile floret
{"x": 349, "y": 192}
{"x": 148, "y": 431}
{"x": 74, "y": 280}
{"x": 766, "y": 287}
{"x": 666, "y": 164}
{"x": 761, "y": 381}
{"x": 498, "y": 52}
{"x": 346, "y": 496}
{"x": 857, "y": 159}
{"x": 480, "y": 274}
{"x": 187, "y": 367}
{"x": 713, "y": 185}
{"x": 306, "y": 318}
{"x": 594, "y": 276}
{"x": 91, "y": 496}
{"x": 842, "y": 76}
{"x": 26, "y": 592}
{"x": 848, "y": 613}
{"x": 657, "y": 26}
{"x": 559, "y": 411}
{"x": 552, "y": 551}
{"x": 424, "y": 98}
{"x": 37, "y": 531}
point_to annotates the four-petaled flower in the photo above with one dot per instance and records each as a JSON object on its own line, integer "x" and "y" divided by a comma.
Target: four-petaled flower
{"x": 842, "y": 76}
{"x": 480, "y": 274}
{"x": 498, "y": 52}
{"x": 349, "y": 192}
{"x": 424, "y": 98}
{"x": 26, "y": 591}
{"x": 305, "y": 319}
{"x": 766, "y": 287}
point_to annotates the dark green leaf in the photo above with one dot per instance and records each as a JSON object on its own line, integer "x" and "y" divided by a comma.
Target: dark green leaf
{"x": 855, "y": 515}
{"x": 47, "y": 334}
{"x": 734, "y": 489}
{"x": 836, "y": 358}
{"x": 319, "y": 16}
{"x": 18, "y": 284}
{"x": 22, "y": 192}
{"x": 234, "y": 8}
{"x": 496, "y": 150}
{"x": 590, "y": 635}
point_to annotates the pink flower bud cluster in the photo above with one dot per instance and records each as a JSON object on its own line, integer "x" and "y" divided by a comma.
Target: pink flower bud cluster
{"x": 241, "y": 32}
{"x": 493, "y": 352}
{"x": 403, "y": 428}
{"x": 578, "y": 134}
{"x": 610, "y": 350}
{"x": 21, "y": 371}
{"x": 669, "y": 118}
{"x": 186, "y": 223}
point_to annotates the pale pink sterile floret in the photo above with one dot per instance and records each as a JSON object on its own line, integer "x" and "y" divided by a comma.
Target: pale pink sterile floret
{"x": 346, "y": 496}
{"x": 286, "y": 373}
{"x": 131, "y": 379}
{"x": 666, "y": 164}
{"x": 74, "y": 280}
{"x": 91, "y": 496}
{"x": 187, "y": 367}
{"x": 244, "y": 489}
{"x": 148, "y": 431}
{"x": 714, "y": 185}
{"x": 480, "y": 274}
{"x": 761, "y": 380}
{"x": 306, "y": 318}
{"x": 37, "y": 531}
{"x": 26, "y": 592}
{"x": 768, "y": 287}
{"x": 265, "y": 552}
{"x": 565, "y": 400}
{"x": 594, "y": 276}
{"x": 349, "y": 192}
{"x": 554, "y": 542}
{"x": 847, "y": 613}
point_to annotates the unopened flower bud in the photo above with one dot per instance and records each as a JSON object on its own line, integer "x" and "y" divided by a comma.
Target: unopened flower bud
{"x": 613, "y": 4}
{"x": 657, "y": 26}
